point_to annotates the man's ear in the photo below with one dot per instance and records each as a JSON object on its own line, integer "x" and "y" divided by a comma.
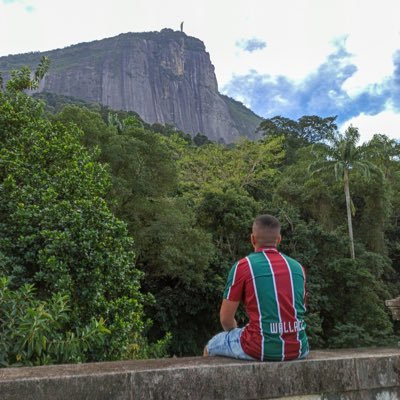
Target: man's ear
{"x": 278, "y": 240}
{"x": 253, "y": 239}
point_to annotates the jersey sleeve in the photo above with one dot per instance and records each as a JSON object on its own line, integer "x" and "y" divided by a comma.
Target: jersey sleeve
{"x": 236, "y": 280}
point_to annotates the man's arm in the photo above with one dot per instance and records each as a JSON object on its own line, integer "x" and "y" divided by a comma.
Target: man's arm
{"x": 227, "y": 314}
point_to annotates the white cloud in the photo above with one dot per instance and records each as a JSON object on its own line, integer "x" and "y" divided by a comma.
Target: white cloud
{"x": 300, "y": 34}
{"x": 373, "y": 41}
{"x": 387, "y": 123}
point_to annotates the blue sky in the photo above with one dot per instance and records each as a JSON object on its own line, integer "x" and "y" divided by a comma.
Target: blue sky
{"x": 321, "y": 92}
{"x": 287, "y": 57}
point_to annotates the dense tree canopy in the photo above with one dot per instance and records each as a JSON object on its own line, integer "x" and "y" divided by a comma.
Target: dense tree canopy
{"x": 57, "y": 232}
{"x": 77, "y": 184}
{"x": 343, "y": 156}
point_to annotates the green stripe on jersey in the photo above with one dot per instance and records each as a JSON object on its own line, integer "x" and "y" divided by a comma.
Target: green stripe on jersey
{"x": 298, "y": 284}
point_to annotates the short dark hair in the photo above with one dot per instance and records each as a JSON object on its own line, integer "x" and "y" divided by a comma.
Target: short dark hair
{"x": 267, "y": 221}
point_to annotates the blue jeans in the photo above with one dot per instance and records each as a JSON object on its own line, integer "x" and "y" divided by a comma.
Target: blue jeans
{"x": 227, "y": 344}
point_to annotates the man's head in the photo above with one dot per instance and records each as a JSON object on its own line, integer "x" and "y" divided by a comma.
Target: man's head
{"x": 266, "y": 231}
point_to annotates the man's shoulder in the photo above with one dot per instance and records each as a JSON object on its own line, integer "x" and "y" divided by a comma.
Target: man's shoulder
{"x": 288, "y": 258}
{"x": 243, "y": 262}
{"x": 242, "y": 265}
{"x": 292, "y": 262}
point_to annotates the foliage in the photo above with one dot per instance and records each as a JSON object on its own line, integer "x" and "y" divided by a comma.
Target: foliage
{"x": 56, "y": 229}
{"x": 143, "y": 350}
{"x": 312, "y": 208}
{"x": 21, "y": 79}
{"x": 37, "y": 332}
{"x": 246, "y": 167}
{"x": 242, "y": 116}
{"x": 170, "y": 250}
{"x": 344, "y": 156}
{"x": 307, "y": 129}
{"x": 68, "y": 180}
{"x": 190, "y": 209}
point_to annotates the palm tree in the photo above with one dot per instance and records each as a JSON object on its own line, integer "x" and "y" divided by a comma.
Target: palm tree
{"x": 342, "y": 154}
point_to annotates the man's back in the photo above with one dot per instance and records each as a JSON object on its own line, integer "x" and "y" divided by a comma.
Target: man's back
{"x": 272, "y": 288}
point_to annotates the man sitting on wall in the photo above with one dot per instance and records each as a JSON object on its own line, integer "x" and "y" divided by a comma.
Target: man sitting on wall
{"x": 272, "y": 287}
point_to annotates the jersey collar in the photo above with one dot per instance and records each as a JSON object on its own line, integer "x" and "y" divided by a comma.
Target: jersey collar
{"x": 272, "y": 249}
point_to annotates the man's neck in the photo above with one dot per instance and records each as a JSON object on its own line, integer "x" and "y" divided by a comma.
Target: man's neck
{"x": 264, "y": 246}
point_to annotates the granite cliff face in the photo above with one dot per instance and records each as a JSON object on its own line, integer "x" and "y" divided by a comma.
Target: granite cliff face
{"x": 166, "y": 77}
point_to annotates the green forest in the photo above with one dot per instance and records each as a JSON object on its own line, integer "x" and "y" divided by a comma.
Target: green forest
{"x": 116, "y": 236}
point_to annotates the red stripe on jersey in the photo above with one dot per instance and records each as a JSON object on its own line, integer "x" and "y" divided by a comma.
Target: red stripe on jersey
{"x": 233, "y": 282}
{"x": 284, "y": 288}
{"x": 241, "y": 272}
{"x": 258, "y": 315}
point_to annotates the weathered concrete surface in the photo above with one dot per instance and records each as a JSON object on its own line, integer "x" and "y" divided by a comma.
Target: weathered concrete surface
{"x": 330, "y": 375}
{"x": 394, "y": 307}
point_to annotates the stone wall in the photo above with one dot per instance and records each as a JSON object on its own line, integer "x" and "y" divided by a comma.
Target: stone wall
{"x": 332, "y": 375}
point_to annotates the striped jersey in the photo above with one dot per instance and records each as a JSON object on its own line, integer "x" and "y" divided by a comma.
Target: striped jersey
{"x": 272, "y": 287}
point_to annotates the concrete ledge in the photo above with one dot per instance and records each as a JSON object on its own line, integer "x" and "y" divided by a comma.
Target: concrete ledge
{"x": 346, "y": 375}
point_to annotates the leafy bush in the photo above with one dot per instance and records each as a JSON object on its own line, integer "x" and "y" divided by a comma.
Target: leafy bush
{"x": 56, "y": 229}
{"x": 36, "y": 332}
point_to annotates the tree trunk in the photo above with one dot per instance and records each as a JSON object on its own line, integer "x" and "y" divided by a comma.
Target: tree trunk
{"x": 348, "y": 207}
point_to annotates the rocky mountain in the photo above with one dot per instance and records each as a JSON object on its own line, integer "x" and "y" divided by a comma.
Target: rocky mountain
{"x": 166, "y": 77}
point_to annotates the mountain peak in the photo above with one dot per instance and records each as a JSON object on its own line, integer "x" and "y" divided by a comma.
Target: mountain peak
{"x": 166, "y": 77}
